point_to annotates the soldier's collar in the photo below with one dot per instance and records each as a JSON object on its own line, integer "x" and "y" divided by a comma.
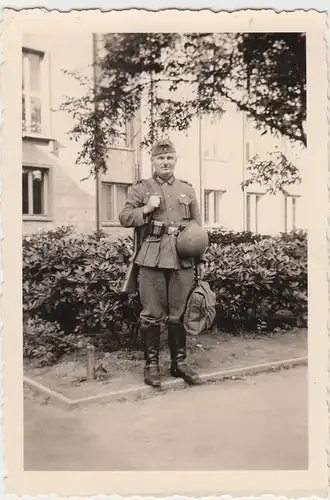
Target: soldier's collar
{"x": 163, "y": 181}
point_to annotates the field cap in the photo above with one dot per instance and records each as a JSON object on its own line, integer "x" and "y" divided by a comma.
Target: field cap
{"x": 164, "y": 146}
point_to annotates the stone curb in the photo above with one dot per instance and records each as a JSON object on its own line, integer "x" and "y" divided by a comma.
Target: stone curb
{"x": 43, "y": 390}
{"x": 143, "y": 391}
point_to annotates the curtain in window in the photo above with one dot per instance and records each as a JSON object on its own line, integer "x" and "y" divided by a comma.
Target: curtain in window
{"x": 25, "y": 191}
{"x": 33, "y": 191}
{"x": 206, "y": 207}
{"x": 121, "y": 197}
{"x": 108, "y": 201}
{"x": 38, "y": 192}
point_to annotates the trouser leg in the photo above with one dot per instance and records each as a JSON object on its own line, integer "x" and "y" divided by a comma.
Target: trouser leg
{"x": 180, "y": 285}
{"x": 153, "y": 295}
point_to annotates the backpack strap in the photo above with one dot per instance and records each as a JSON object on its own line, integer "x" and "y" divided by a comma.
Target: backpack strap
{"x": 139, "y": 232}
{"x": 148, "y": 185}
{"x": 185, "y": 182}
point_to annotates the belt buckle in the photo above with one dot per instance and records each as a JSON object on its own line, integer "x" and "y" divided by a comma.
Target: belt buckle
{"x": 172, "y": 230}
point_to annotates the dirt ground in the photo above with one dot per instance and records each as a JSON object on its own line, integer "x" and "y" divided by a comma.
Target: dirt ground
{"x": 259, "y": 423}
{"x": 207, "y": 353}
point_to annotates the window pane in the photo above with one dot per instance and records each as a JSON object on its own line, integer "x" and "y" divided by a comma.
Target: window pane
{"x": 286, "y": 214}
{"x": 122, "y": 191}
{"x": 248, "y": 213}
{"x": 206, "y": 206}
{"x": 107, "y": 201}
{"x": 294, "y": 213}
{"x": 35, "y": 114}
{"x": 33, "y": 191}
{"x": 34, "y": 60}
{"x": 38, "y": 192}
{"x": 25, "y": 192}
{"x": 247, "y": 151}
{"x": 121, "y": 139}
{"x": 217, "y": 196}
{"x": 23, "y": 71}
{"x": 257, "y": 214}
{"x": 23, "y": 114}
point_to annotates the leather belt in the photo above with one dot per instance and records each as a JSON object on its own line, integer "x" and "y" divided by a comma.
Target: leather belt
{"x": 171, "y": 230}
{"x": 158, "y": 228}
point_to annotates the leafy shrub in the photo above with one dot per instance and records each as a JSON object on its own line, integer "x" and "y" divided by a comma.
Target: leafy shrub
{"x": 45, "y": 342}
{"x": 223, "y": 236}
{"x": 76, "y": 280}
{"x": 72, "y": 283}
{"x": 254, "y": 281}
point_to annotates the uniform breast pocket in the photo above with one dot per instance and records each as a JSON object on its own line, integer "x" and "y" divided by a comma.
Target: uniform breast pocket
{"x": 184, "y": 203}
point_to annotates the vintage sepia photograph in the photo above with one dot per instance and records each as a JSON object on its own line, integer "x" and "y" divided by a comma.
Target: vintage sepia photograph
{"x": 166, "y": 248}
{"x": 196, "y": 142}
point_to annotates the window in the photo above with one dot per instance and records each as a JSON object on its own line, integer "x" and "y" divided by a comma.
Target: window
{"x": 290, "y": 213}
{"x": 212, "y": 151}
{"x": 113, "y": 200}
{"x": 35, "y": 191}
{"x": 212, "y": 207}
{"x": 32, "y": 92}
{"x": 123, "y": 137}
{"x": 252, "y": 211}
{"x": 247, "y": 152}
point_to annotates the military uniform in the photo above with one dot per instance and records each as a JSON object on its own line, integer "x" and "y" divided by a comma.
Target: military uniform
{"x": 165, "y": 279}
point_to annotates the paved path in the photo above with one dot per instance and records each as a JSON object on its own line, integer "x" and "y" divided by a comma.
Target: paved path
{"x": 257, "y": 423}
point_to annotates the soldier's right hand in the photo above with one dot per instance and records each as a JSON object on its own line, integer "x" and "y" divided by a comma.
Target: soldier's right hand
{"x": 154, "y": 202}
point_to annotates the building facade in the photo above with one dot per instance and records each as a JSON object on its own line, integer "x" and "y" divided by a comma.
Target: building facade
{"x": 213, "y": 156}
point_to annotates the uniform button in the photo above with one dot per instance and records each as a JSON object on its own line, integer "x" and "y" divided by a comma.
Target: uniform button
{"x": 171, "y": 208}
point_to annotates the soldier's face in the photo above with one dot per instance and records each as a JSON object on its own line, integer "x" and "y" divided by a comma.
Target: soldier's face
{"x": 164, "y": 164}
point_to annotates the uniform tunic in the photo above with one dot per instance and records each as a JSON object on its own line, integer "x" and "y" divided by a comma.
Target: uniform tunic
{"x": 178, "y": 205}
{"x": 165, "y": 280}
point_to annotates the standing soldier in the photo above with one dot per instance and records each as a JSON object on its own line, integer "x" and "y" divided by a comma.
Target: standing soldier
{"x": 160, "y": 207}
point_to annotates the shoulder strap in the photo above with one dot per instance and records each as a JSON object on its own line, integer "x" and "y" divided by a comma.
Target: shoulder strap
{"x": 185, "y": 182}
{"x": 148, "y": 185}
{"x": 137, "y": 182}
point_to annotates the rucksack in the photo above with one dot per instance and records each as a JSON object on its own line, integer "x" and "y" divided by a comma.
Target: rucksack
{"x": 200, "y": 309}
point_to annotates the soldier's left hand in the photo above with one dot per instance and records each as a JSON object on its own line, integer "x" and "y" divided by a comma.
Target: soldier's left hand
{"x": 200, "y": 270}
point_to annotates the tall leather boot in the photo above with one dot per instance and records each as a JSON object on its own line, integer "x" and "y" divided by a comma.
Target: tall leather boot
{"x": 177, "y": 346}
{"x": 151, "y": 337}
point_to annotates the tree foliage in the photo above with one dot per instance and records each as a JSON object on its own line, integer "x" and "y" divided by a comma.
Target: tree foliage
{"x": 263, "y": 74}
{"x": 275, "y": 172}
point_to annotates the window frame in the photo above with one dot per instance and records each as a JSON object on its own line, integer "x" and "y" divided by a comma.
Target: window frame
{"x": 293, "y": 198}
{"x": 258, "y": 197}
{"x": 46, "y": 193}
{"x": 28, "y": 93}
{"x": 115, "y": 211}
{"x": 214, "y": 217}
{"x": 125, "y": 145}
{"x": 44, "y": 94}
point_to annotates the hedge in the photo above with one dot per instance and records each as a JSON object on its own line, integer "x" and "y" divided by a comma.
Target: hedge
{"x": 73, "y": 281}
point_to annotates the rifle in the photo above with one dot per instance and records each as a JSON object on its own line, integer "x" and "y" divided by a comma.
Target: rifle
{"x": 130, "y": 284}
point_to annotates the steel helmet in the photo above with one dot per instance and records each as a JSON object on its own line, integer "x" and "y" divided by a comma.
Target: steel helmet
{"x": 192, "y": 241}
